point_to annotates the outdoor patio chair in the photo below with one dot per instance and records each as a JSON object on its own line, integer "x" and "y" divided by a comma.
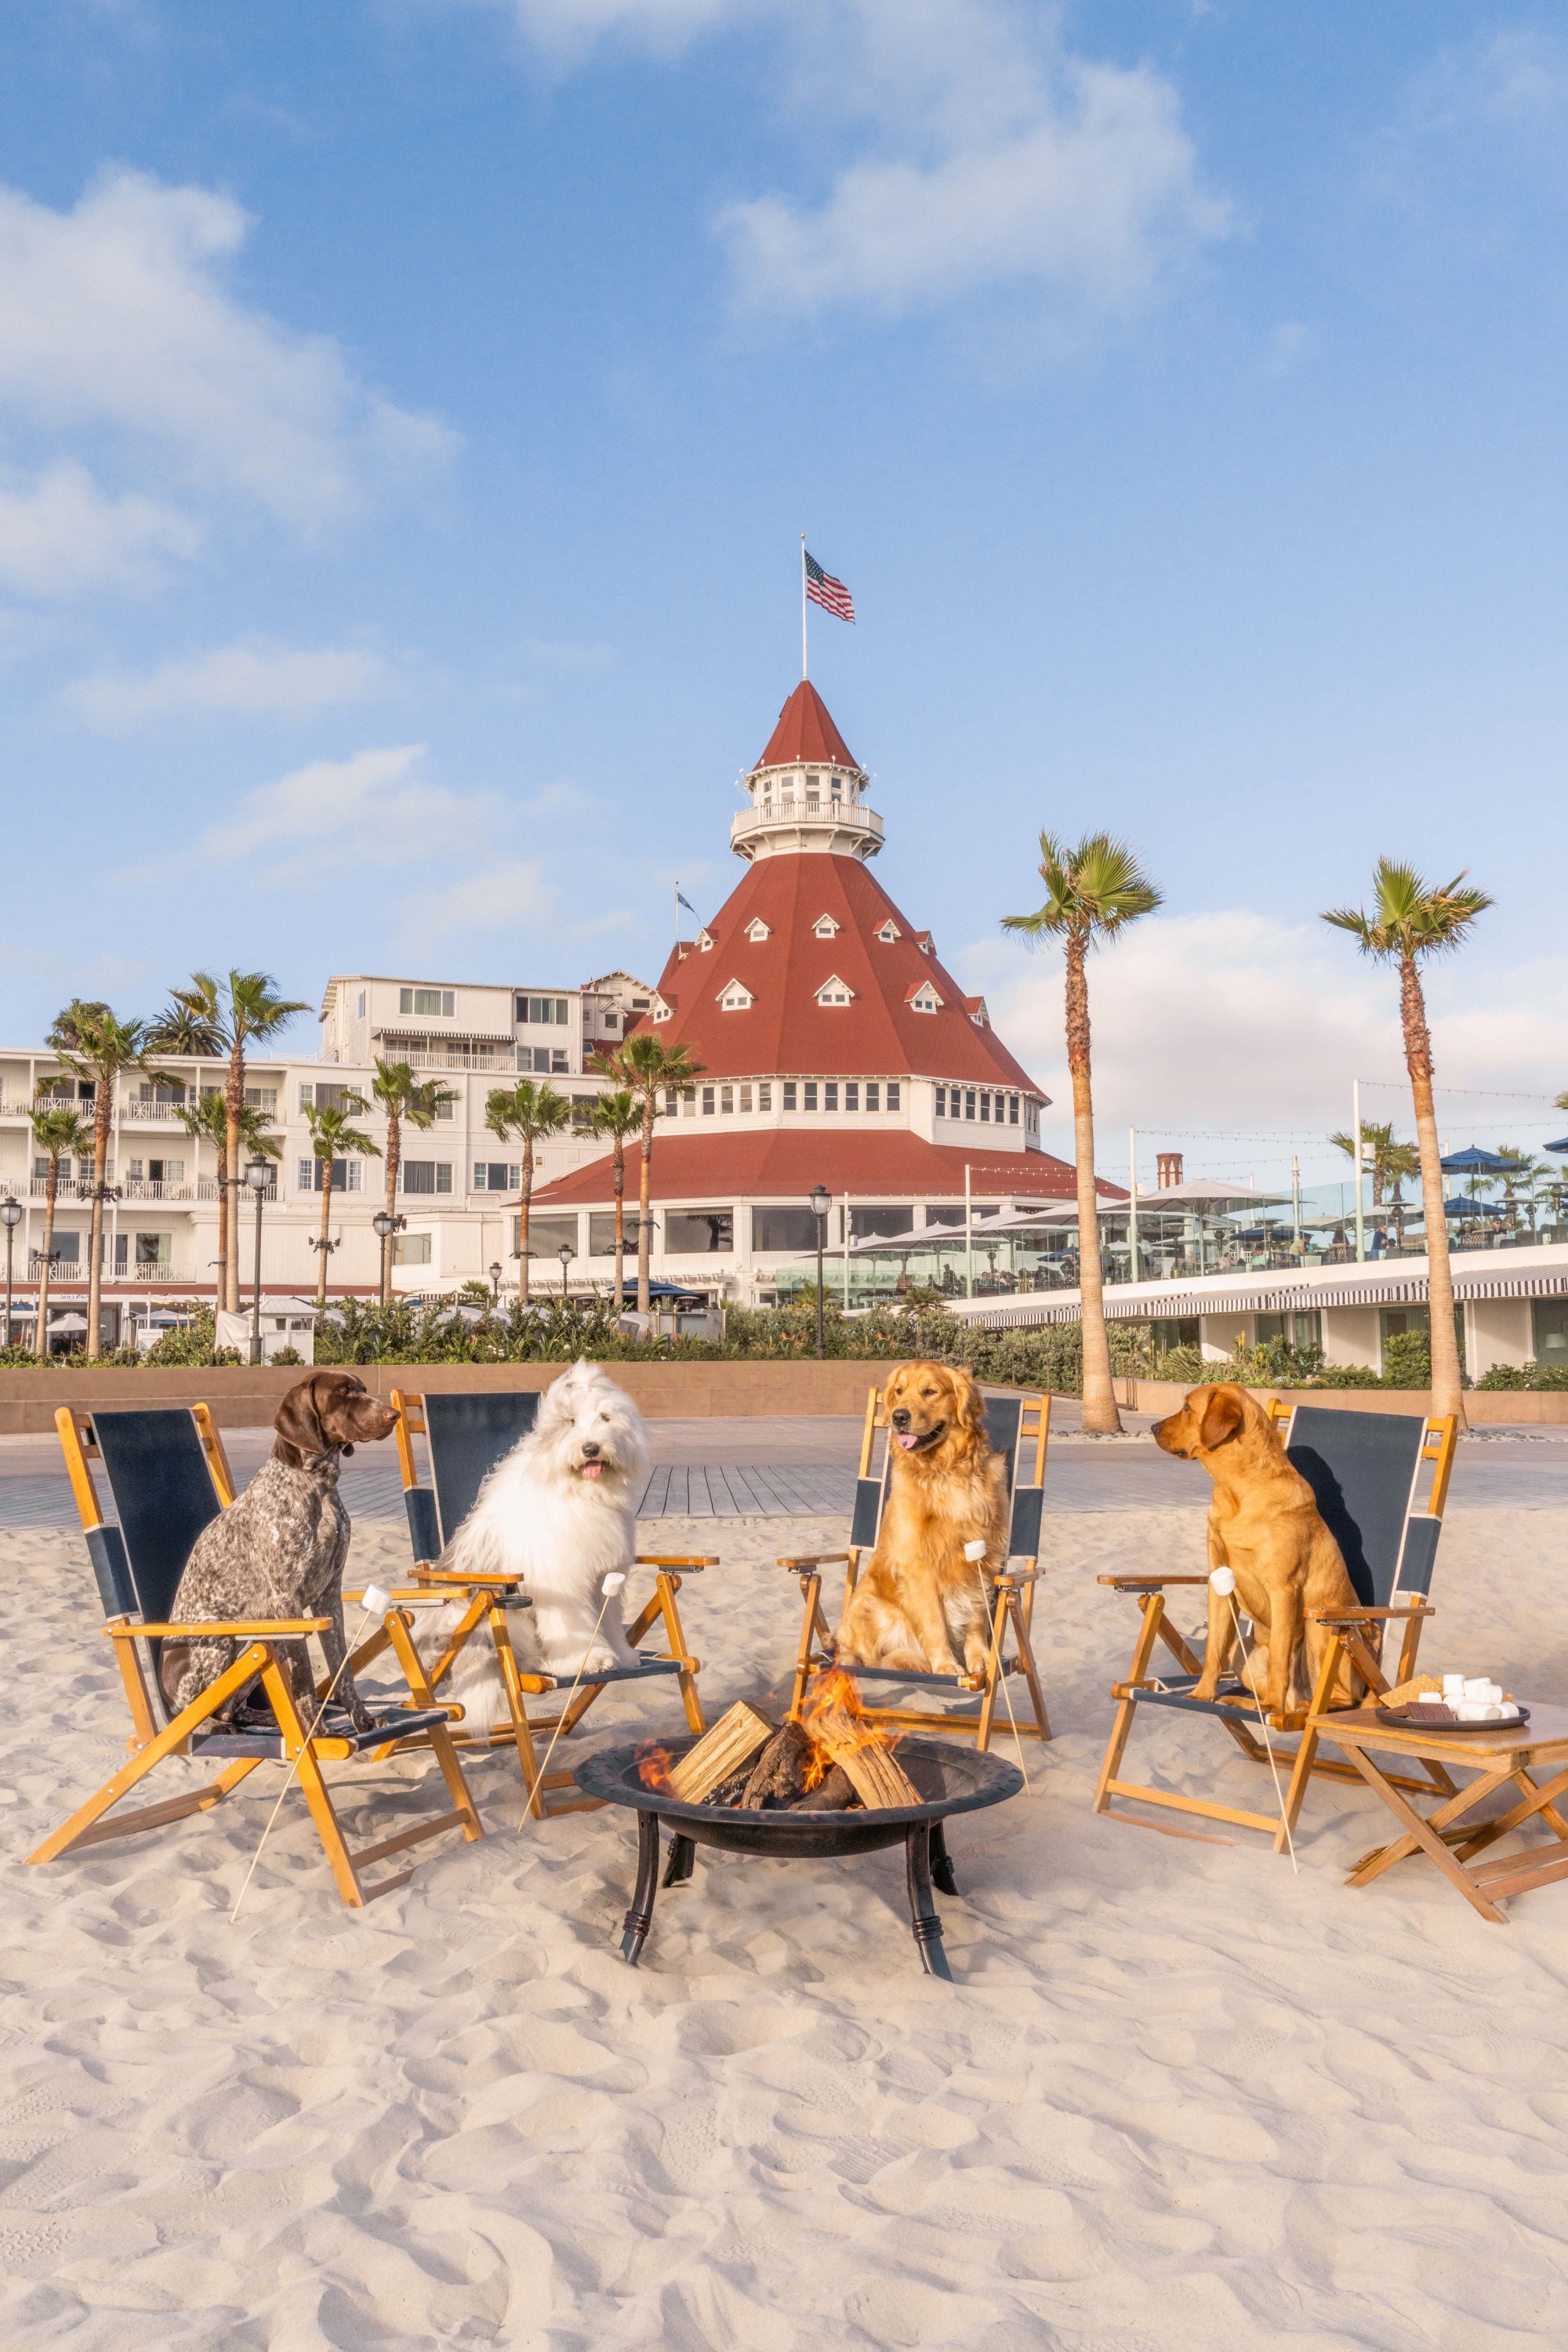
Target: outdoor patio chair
{"x": 1364, "y": 1470}
{"x": 1019, "y": 1429}
{"x": 168, "y": 1476}
{"x": 466, "y": 1433}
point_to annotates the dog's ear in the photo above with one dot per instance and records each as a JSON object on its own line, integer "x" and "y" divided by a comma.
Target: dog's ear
{"x": 298, "y": 1421}
{"x": 1223, "y": 1417}
{"x": 968, "y": 1405}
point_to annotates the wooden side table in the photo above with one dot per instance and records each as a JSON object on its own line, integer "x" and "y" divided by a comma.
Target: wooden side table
{"x": 1502, "y": 1754}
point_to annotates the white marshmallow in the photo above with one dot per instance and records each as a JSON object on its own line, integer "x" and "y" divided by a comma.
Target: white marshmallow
{"x": 377, "y": 1601}
{"x": 1453, "y": 1686}
{"x": 614, "y": 1582}
{"x": 1222, "y": 1580}
{"x": 976, "y": 1550}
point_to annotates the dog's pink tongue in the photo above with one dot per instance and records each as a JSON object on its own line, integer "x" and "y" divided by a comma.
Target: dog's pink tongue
{"x": 592, "y": 1469}
{"x": 908, "y": 1443}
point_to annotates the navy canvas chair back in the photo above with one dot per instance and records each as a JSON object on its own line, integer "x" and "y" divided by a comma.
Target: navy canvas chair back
{"x": 1004, "y": 1422}
{"x": 163, "y": 1497}
{"x": 467, "y": 1435}
{"x": 1362, "y": 1468}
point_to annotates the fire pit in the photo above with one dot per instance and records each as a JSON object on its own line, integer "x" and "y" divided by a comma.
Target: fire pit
{"x": 948, "y": 1780}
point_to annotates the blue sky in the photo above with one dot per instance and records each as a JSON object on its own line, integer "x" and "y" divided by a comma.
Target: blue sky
{"x": 407, "y": 412}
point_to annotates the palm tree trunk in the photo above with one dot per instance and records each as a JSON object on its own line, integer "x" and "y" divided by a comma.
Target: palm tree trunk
{"x": 620, "y": 1167}
{"x": 323, "y": 1253}
{"x": 41, "y": 1328}
{"x": 222, "y": 1223}
{"x": 645, "y": 1177}
{"x": 394, "y": 1154}
{"x": 1447, "y": 1396}
{"x": 102, "y": 1109}
{"x": 1100, "y": 1416}
{"x": 234, "y": 1102}
{"x": 527, "y": 1202}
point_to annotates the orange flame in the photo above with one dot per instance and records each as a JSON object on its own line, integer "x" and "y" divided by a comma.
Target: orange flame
{"x": 832, "y": 1705}
{"x": 653, "y": 1766}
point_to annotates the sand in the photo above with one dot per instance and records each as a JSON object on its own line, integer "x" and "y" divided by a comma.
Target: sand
{"x": 1180, "y": 2097}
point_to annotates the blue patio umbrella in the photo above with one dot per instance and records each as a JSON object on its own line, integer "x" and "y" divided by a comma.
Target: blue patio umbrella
{"x": 1473, "y": 1160}
{"x": 1468, "y": 1208}
{"x": 1560, "y": 1145}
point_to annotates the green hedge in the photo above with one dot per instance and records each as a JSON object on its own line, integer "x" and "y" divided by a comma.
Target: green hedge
{"x": 1525, "y": 1376}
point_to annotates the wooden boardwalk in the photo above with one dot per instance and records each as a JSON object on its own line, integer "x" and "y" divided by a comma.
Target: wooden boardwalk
{"x": 753, "y": 1490}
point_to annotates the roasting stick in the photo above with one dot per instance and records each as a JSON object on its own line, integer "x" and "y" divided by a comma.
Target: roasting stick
{"x": 376, "y": 1604}
{"x": 975, "y": 1551}
{"x": 613, "y": 1584}
{"x": 1224, "y": 1582}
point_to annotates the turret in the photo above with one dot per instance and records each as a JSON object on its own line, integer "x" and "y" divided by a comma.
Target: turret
{"x": 805, "y": 790}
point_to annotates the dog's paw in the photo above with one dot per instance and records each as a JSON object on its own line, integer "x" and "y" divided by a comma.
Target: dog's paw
{"x": 360, "y": 1717}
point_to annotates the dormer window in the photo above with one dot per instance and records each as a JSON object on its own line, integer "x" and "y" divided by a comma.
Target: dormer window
{"x": 757, "y": 930}
{"x": 705, "y": 942}
{"x": 824, "y": 928}
{"x": 890, "y": 933}
{"x": 924, "y": 999}
{"x": 736, "y": 998}
{"x": 835, "y": 991}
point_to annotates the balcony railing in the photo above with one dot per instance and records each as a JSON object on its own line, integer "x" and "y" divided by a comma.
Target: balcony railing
{"x": 73, "y": 1274}
{"x": 477, "y": 1058}
{"x": 136, "y": 1113}
{"x": 207, "y": 1189}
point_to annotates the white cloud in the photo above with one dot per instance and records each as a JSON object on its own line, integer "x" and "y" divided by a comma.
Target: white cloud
{"x": 365, "y": 810}
{"x": 1514, "y": 81}
{"x": 254, "y": 678}
{"x": 510, "y": 892}
{"x": 1230, "y": 1022}
{"x": 60, "y": 535}
{"x": 115, "y": 317}
{"x": 568, "y": 27}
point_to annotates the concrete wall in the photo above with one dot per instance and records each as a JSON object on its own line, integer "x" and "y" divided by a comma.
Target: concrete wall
{"x": 242, "y": 1398}
{"x": 1497, "y": 1331}
{"x": 1217, "y": 1335}
{"x": 1351, "y": 1335}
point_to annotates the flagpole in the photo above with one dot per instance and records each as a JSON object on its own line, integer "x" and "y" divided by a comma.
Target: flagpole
{"x": 802, "y": 667}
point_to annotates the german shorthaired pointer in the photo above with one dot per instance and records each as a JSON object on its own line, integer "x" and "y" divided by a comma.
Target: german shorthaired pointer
{"x": 278, "y": 1550}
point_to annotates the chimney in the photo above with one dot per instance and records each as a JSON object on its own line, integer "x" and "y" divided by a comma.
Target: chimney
{"x": 1170, "y": 1167}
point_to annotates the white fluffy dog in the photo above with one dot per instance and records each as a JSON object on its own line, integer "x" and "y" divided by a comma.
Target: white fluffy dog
{"x": 560, "y": 1511}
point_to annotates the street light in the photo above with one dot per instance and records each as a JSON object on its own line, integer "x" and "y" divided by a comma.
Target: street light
{"x": 258, "y": 1176}
{"x": 11, "y": 1214}
{"x": 495, "y": 1274}
{"x": 821, "y": 1202}
{"x": 565, "y": 1253}
{"x": 383, "y": 1225}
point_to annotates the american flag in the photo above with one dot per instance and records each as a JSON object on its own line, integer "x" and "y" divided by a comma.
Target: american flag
{"x": 830, "y": 593}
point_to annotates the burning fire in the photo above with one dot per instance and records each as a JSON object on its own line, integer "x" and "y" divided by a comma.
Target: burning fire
{"x": 653, "y": 1765}
{"x": 833, "y": 1721}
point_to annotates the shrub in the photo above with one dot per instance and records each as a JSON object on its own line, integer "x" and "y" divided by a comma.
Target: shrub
{"x": 287, "y": 1355}
{"x": 1407, "y": 1360}
{"x": 1532, "y": 1375}
{"x": 190, "y": 1343}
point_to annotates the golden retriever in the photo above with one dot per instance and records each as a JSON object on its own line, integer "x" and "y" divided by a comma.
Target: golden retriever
{"x": 921, "y": 1605}
{"x": 1264, "y": 1525}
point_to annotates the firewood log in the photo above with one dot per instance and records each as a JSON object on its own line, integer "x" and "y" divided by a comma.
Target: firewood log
{"x": 881, "y": 1781}
{"x": 833, "y": 1794}
{"x": 778, "y": 1776}
{"x": 719, "y": 1754}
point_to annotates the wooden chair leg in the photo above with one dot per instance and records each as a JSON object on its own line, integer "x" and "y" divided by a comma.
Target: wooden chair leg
{"x": 1153, "y": 1608}
{"x": 668, "y": 1586}
{"x": 993, "y": 1668}
{"x": 313, "y": 1784}
{"x": 811, "y": 1592}
{"x": 522, "y": 1737}
{"x": 1027, "y": 1660}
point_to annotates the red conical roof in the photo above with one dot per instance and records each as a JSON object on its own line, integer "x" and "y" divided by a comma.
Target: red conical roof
{"x": 806, "y": 732}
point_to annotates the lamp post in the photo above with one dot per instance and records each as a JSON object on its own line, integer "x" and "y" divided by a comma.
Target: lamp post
{"x": 383, "y": 1225}
{"x": 11, "y": 1216}
{"x": 495, "y": 1274}
{"x": 821, "y": 1202}
{"x": 565, "y": 1253}
{"x": 258, "y": 1176}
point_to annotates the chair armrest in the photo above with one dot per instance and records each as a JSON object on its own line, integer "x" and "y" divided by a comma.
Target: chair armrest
{"x": 1359, "y": 1616}
{"x": 1147, "y": 1583}
{"x": 463, "y": 1580}
{"x": 814, "y": 1559}
{"x": 252, "y": 1628}
{"x": 1018, "y": 1576}
{"x": 694, "y": 1561}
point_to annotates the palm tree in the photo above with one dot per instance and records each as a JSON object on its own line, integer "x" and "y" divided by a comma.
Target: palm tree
{"x": 613, "y": 1118}
{"x": 192, "y": 1022}
{"x": 1521, "y": 1176}
{"x": 1091, "y": 892}
{"x": 420, "y": 1101}
{"x": 647, "y": 1067}
{"x": 333, "y": 1137}
{"x": 63, "y": 1135}
{"x": 206, "y": 1122}
{"x": 1389, "y": 1161}
{"x": 1409, "y": 920}
{"x": 226, "y": 1016}
{"x": 97, "y": 1047}
{"x": 533, "y": 1113}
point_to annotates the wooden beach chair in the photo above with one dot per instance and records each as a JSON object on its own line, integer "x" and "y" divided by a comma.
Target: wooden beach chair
{"x": 168, "y": 1476}
{"x": 1365, "y": 1470}
{"x": 466, "y": 1433}
{"x": 1019, "y": 1429}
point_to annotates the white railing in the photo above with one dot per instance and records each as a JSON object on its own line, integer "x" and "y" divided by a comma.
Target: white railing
{"x": 148, "y": 1188}
{"x": 136, "y": 1113}
{"x": 207, "y": 1189}
{"x": 479, "y": 1060}
{"x": 73, "y": 1275}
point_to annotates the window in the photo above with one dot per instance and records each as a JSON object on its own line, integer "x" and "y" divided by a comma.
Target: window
{"x": 541, "y": 1011}
{"x": 893, "y": 1094}
{"x": 324, "y": 1096}
{"x": 736, "y": 997}
{"x": 851, "y": 1093}
{"x": 826, "y": 928}
{"x": 545, "y": 1235}
{"x": 262, "y": 1098}
{"x": 429, "y": 1003}
{"x": 163, "y": 1095}
{"x": 425, "y": 1176}
{"x": 1011, "y": 1111}
{"x": 583, "y": 1112}
{"x": 639, "y": 1004}
{"x": 727, "y": 1101}
{"x": 493, "y": 1176}
{"x": 345, "y": 1175}
{"x": 672, "y": 1103}
{"x": 446, "y": 1106}
{"x": 765, "y": 1095}
{"x": 410, "y": 1249}
{"x": 152, "y": 1249}
{"x": 784, "y": 1229}
{"x": 707, "y": 1233}
{"x": 543, "y": 1062}
{"x": 942, "y": 1102}
{"x": 65, "y": 1250}
{"x": 602, "y": 1232}
{"x": 789, "y": 1094}
{"x": 810, "y": 1094}
{"x": 610, "y": 1020}
{"x": 835, "y": 991}
{"x": 873, "y": 1094}
{"x": 558, "y": 1061}
{"x": 362, "y": 1004}
{"x": 925, "y": 999}
{"x": 1549, "y": 1331}
{"x": 163, "y": 1172}
{"x": 830, "y": 1095}
{"x": 942, "y": 1216}
{"x": 757, "y": 930}
{"x": 897, "y": 1217}
{"x": 745, "y": 1099}
{"x": 705, "y": 941}
{"x": 985, "y": 1106}
{"x": 890, "y": 933}
{"x": 707, "y": 1102}
{"x": 688, "y": 1101}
